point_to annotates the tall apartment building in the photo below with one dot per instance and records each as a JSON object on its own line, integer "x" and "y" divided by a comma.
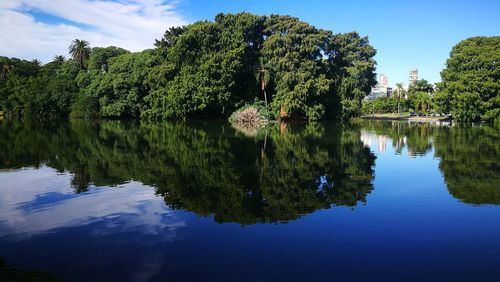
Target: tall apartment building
{"x": 413, "y": 76}
{"x": 382, "y": 80}
{"x": 381, "y": 89}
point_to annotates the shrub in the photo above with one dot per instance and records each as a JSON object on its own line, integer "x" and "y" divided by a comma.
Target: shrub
{"x": 251, "y": 114}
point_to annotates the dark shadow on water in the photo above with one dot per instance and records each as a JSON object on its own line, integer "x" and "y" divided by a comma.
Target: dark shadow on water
{"x": 13, "y": 274}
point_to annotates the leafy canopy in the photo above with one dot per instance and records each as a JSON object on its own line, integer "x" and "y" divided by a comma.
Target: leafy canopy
{"x": 470, "y": 80}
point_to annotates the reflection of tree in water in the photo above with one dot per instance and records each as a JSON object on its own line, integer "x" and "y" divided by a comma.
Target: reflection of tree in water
{"x": 470, "y": 162}
{"x": 234, "y": 179}
{"x": 415, "y": 137}
{"x": 212, "y": 170}
{"x": 80, "y": 180}
{"x": 468, "y": 155}
{"x": 206, "y": 168}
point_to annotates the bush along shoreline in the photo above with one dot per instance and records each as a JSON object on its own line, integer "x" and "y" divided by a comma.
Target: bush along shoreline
{"x": 252, "y": 115}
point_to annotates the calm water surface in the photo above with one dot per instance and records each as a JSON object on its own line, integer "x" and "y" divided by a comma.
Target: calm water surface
{"x": 130, "y": 201}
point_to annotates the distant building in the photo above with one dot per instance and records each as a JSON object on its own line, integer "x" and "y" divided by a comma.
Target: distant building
{"x": 377, "y": 92}
{"x": 389, "y": 91}
{"x": 413, "y": 76}
{"x": 380, "y": 90}
{"x": 382, "y": 80}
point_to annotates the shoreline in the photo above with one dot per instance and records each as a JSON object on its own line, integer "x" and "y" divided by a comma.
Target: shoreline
{"x": 406, "y": 118}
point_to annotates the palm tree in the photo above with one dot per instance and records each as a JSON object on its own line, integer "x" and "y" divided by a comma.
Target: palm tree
{"x": 36, "y": 63}
{"x": 263, "y": 77}
{"x": 399, "y": 92}
{"x": 80, "y": 51}
{"x": 59, "y": 59}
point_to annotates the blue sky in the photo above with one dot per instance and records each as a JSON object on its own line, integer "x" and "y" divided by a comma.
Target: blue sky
{"x": 406, "y": 34}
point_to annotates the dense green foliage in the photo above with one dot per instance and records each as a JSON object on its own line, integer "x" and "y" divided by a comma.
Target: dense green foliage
{"x": 420, "y": 102}
{"x": 294, "y": 50}
{"x": 116, "y": 88}
{"x": 207, "y": 168}
{"x": 202, "y": 69}
{"x": 28, "y": 88}
{"x": 206, "y": 68}
{"x": 421, "y": 85}
{"x": 471, "y": 80}
{"x": 353, "y": 68}
{"x": 420, "y": 97}
{"x": 380, "y": 105}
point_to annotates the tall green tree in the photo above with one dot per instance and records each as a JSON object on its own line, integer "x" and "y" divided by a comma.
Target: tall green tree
{"x": 353, "y": 69}
{"x": 206, "y": 68}
{"x": 471, "y": 79}
{"x": 59, "y": 59}
{"x": 80, "y": 51}
{"x": 400, "y": 93}
{"x": 295, "y": 50}
{"x": 420, "y": 85}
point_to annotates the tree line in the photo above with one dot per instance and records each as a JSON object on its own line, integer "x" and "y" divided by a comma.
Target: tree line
{"x": 205, "y": 69}
{"x": 469, "y": 90}
{"x": 418, "y": 97}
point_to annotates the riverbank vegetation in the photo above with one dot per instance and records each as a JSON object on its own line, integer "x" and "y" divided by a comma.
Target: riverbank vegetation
{"x": 205, "y": 69}
{"x": 469, "y": 91}
{"x": 418, "y": 99}
{"x": 470, "y": 87}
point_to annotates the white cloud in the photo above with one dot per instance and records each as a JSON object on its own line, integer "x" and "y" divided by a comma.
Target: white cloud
{"x": 131, "y": 24}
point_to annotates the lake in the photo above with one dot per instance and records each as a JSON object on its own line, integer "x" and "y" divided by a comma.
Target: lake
{"x": 204, "y": 201}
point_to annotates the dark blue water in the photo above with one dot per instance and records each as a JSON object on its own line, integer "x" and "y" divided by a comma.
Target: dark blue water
{"x": 128, "y": 201}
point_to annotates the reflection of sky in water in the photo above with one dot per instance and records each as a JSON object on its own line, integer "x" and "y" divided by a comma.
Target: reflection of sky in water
{"x": 33, "y": 203}
{"x": 39, "y": 207}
